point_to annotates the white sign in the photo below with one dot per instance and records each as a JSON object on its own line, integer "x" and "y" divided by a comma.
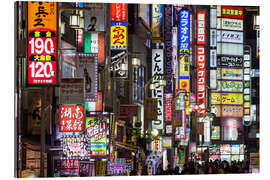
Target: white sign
{"x": 229, "y": 36}
{"x": 213, "y": 18}
{"x": 230, "y": 24}
{"x": 230, "y": 49}
{"x": 213, "y": 58}
{"x": 158, "y": 68}
{"x": 213, "y": 79}
{"x": 213, "y": 37}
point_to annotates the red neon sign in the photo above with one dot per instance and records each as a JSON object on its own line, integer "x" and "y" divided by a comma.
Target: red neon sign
{"x": 201, "y": 80}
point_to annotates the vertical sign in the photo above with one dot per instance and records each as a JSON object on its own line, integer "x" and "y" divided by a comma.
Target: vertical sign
{"x": 42, "y": 43}
{"x": 118, "y": 12}
{"x": 168, "y": 107}
{"x": 247, "y": 61}
{"x": 157, "y": 20}
{"x": 168, "y": 46}
{"x": 201, "y": 91}
{"x": 157, "y": 68}
{"x": 118, "y": 35}
{"x": 174, "y": 52}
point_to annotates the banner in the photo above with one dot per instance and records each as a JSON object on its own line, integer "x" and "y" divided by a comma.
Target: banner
{"x": 42, "y": 43}
{"x": 72, "y": 91}
{"x": 96, "y": 131}
{"x": 226, "y": 98}
{"x": 87, "y": 69}
{"x": 95, "y": 43}
{"x": 118, "y": 12}
{"x": 227, "y": 110}
{"x": 118, "y": 35}
{"x": 232, "y": 12}
{"x": 230, "y": 61}
{"x": 229, "y": 74}
{"x": 71, "y": 118}
{"x": 230, "y": 36}
{"x": 158, "y": 68}
{"x": 157, "y": 20}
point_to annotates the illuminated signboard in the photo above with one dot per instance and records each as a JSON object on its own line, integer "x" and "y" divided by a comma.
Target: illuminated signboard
{"x": 174, "y": 51}
{"x": 232, "y": 129}
{"x": 168, "y": 107}
{"x": 213, "y": 58}
{"x": 232, "y": 12}
{"x": 184, "y": 31}
{"x": 42, "y": 43}
{"x": 201, "y": 28}
{"x": 75, "y": 146}
{"x": 230, "y": 49}
{"x": 226, "y": 98}
{"x": 157, "y": 144}
{"x": 118, "y": 35}
{"x": 230, "y": 36}
{"x": 229, "y": 86}
{"x": 95, "y": 106}
{"x": 157, "y": 20}
{"x": 230, "y": 24}
{"x": 158, "y": 68}
{"x": 96, "y": 131}
{"x": 71, "y": 118}
{"x": 225, "y": 149}
{"x": 227, "y": 110}
{"x": 229, "y": 74}
{"x": 94, "y": 43}
{"x": 118, "y": 12}
{"x": 201, "y": 99}
{"x": 230, "y": 61}
{"x": 215, "y": 132}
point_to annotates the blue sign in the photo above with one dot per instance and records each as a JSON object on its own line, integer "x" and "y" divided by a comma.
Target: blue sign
{"x": 184, "y": 23}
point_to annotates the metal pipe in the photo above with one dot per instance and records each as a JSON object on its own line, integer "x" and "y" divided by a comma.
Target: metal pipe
{"x": 42, "y": 132}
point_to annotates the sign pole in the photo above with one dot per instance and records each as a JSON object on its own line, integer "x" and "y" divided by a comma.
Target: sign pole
{"x": 42, "y": 133}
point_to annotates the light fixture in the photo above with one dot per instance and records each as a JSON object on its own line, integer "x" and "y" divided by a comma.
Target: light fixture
{"x": 196, "y": 107}
{"x": 74, "y": 20}
{"x": 162, "y": 82}
{"x": 154, "y": 132}
{"x": 123, "y": 67}
{"x": 152, "y": 86}
{"x": 185, "y": 97}
{"x": 178, "y": 100}
{"x": 136, "y": 62}
{"x": 62, "y": 27}
{"x": 190, "y": 109}
{"x": 256, "y": 21}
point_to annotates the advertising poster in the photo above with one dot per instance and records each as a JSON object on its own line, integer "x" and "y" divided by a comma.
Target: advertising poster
{"x": 96, "y": 131}
{"x": 71, "y": 118}
{"x": 42, "y": 43}
{"x": 230, "y": 61}
{"x": 232, "y": 12}
{"x": 157, "y": 20}
{"x": 158, "y": 68}
{"x": 71, "y": 91}
{"x": 87, "y": 69}
{"x": 227, "y": 110}
{"x": 229, "y": 74}
{"x": 75, "y": 146}
{"x": 94, "y": 17}
{"x": 227, "y": 98}
{"x": 95, "y": 106}
{"x": 232, "y": 129}
{"x": 118, "y": 12}
{"x": 94, "y": 42}
{"x": 118, "y": 57}
{"x": 118, "y": 35}
{"x": 168, "y": 10}
{"x": 215, "y": 132}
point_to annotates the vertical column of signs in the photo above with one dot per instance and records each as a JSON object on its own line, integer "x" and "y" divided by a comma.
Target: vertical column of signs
{"x": 118, "y": 42}
{"x": 42, "y": 43}
{"x": 229, "y": 90}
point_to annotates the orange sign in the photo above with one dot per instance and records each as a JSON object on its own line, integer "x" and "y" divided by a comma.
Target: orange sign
{"x": 227, "y": 110}
{"x": 42, "y": 15}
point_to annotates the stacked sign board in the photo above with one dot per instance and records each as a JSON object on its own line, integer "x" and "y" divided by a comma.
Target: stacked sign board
{"x": 227, "y": 97}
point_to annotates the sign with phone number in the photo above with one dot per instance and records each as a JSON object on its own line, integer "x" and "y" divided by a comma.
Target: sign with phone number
{"x": 42, "y": 43}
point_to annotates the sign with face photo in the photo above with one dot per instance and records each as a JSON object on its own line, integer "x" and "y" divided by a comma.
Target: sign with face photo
{"x": 94, "y": 18}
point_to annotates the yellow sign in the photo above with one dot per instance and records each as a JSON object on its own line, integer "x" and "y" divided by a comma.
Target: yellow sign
{"x": 118, "y": 35}
{"x": 184, "y": 84}
{"x": 226, "y": 98}
{"x": 42, "y": 14}
{"x": 184, "y": 65}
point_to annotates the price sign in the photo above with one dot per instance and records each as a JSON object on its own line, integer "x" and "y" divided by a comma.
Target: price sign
{"x": 42, "y": 43}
